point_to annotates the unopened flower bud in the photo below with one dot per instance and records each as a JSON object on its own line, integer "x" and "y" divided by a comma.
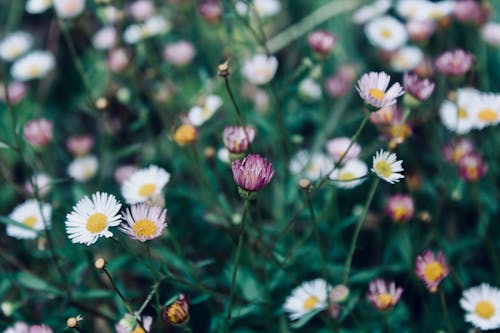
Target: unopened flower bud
{"x": 223, "y": 69}
{"x": 304, "y": 183}
{"x": 339, "y": 293}
{"x": 177, "y": 313}
{"x": 100, "y": 263}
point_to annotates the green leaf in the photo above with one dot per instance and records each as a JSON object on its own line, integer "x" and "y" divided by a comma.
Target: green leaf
{"x": 33, "y": 282}
{"x": 93, "y": 294}
{"x": 96, "y": 71}
{"x": 305, "y": 318}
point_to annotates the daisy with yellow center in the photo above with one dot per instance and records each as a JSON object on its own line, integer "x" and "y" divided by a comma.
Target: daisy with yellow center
{"x": 260, "y": 69}
{"x": 486, "y": 111}
{"x": 91, "y": 219}
{"x": 33, "y": 65}
{"x": 14, "y": 45}
{"x": 144, "y": 222}
{"x": 432, "y": 270}
{"x": 185, "y": 134}
{"x": 372, "y": 87}
{"x": 144, "y": 184}
{"x": 351, "y": 174}
{"x": 482, "y": 304}
{"x": 386, "y": 33}
{"x": 307, "y": 297}
{"x": 128, "y": 324}
{"x": 457, "y": 117}
{"x": 386, "y": 166}
{"x": 29, "y": 215}
{"x": 384, "y": 295}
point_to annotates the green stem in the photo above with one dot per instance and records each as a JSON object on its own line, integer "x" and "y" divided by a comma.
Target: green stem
{"x": 387, "y": 322}
{"x": 449, "y": 326}
{"x": 235, "y": 267}
{"x": 348, "y": 262}
{"x": 236, "y": 108}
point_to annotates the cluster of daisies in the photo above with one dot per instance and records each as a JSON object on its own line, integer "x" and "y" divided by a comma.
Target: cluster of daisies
{"x": 481, "y": 303}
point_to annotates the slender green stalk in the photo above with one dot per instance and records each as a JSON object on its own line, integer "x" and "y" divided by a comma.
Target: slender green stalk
{"x": 236, "y": 108}
{"x": 235, "y": 267}
{"x": 348, "y": 262}
{"x": 387, "y": 322}
{"x": 444, "y": 307}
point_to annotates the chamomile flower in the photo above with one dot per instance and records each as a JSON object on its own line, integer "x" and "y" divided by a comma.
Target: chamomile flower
{"x": 260, "y": 69}
{"x": 14, "y": 45}
{"x": 387, "y": 167}
{"x": 311, "y": 166}
{"x": 350, "y": 175}
{"x": 406, "y": 58}
{"x": 369, "y": 12}
{"x": 153, "y": 26}
{"x": 92, "y": 218}
{"x": 144, "y": 222}
{"x": 33, "y": 65}
{"x": 457, "y": 117}
{"x": 482, "y": 304}
{"x": 384, "y": 295}
{"x": 372, "y": 87}
{"x": 31, "y": 216}
{"x": 201, "y": 113}
{"x": 83, "y": 168}
{"x": 486, "y": 110}
{"x": 386, "y": 33}
{"x": 144, "y": 184}
{"x": 38, "y": 6}
{"x": 309, "y": 296}
{"x": 431, "y": 269}
{"x": 263, "y": 8}
{"x": 105, "y": 38}
{"x": 69, "y": 8}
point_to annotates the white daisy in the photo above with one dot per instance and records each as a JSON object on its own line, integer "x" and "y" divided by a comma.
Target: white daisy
{"x": 200, "y": 114}
{"x": 83, "y": 168}
{"x": 310, "y": 90}
{"x": 490, "y": 33}
{"x": 33, "y": 65}
{"x": 69, "y": 8}
{"x": 144, "y": 184}
{"x": 337, "y": 147}
{"x": 260, "y": 69}
{"x": 223, "y": 155}
{"x": 312, "y": 166}
{"x": 486, "y": 110}
{"x": 37, "y": 6}
{"x": 350, "y": 175}
{"x": 307, "y": 297}
{"x": 263, "y": 8}
{"x": 411, "y": 9}
{"x": 31, "y": 217}
{"x": 372, "y": 88}
{"x": 144, "y": 222}
{"x": 153, "y": 26}
{"x": 14, "y": 45}
{"x": 406, "y": 58}
{"x": 459, "y": 119}
{"x": 437, "y": 10}
{"x": 386, "y": 166}
{"x": 128, "y": 324}
{"x": 369, "y": 12}
{"x": 91, "y": 219}
{"x": 105, "y": 38}
{"x": 386, "y": 33}
{"x": 41, "y": 181}
{"x": 482, "y": 304}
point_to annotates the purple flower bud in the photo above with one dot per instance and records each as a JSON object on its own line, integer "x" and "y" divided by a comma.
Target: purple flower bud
{"x": 471, "y": 167}
{"x": 210, "y": 10}
{"x": 420, "y": 89}
{"x": 38, "y": 132}
{"x": 322, "y": 42}
{"x": 454, "y": 63}
{"x": 236, "y": 140}
{"x": 252, "y": 173}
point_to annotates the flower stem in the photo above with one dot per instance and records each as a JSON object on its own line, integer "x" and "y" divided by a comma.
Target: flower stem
{"x": 236, "y": 108}
{"x": 235, "y": 267}
{"x": 348, "y": 262}
{"x": 449, "y": 326}
{"x": 387, "y": 322}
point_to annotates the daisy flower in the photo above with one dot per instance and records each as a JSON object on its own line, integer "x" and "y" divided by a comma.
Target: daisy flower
{"x": 350, "y": 175}
{"x": 33, "y": 65}
{"x": 386, "y": 33}
{"x": 482, "y": 304}
{"x": 454, "y": 63}
{"x": 457, "y": 117}
{"x": 386, "y": 166}
{"x": 309, "y": 296}
{"x": 69, "y": 8}
{"x": 431, "y": 270}
{"x": 260, "y": 69}
{"x": 199, "y": 114}
{"x": 486, "y": 110}
{"x": 128, "y": 324}
{"x": 471, "y": 167}
{"x": 31, "y": 217}
{"x": 144, "y": 184}
{"x": 144, "y": 222}
{"x": 369, "y": 12}
{"x": 83, "y": 168}
{"x": 179, "y": 53}
{"x": 311, "y": 166}
{"x": 490, "y": 33}
{"x": 105, "y": 38}
{"x": 372, "y": 87}
{"x": 400, "y": 208}
{"x": 14, "y": 45}
{"x": 42, "y": 183}
{"x": 406, "y": 58}
{"x": 37, "y": 6}
{"x": 337, "y": 148}
{"x": 384, "y": 295}
{"x": 91, "y": 219}
{"x": 263, "y": 8}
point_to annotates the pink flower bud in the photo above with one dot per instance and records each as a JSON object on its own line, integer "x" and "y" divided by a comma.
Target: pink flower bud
{"x": 38, "y": 132}
{"x": 322, "y": 42}
{"x": 80, "y": 145}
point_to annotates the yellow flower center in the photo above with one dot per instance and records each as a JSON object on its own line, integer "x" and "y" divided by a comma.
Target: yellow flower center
{"x": 310, "y": 302}
{"x": 34, "y": 70}
{"x": 462, "y": 114}
{"x": 185, "y": 134}
{"x": 383, "y": 168}
{"x": 147, "y": 189}
{"x": 487, "y": 115}
{"x": 433, "y": 271}
{"x": 377, "y": 94}
{"x": 399, "y": 212}
{"x": 384, "y": 300}
{"x": 264, "y": 71}
{"x": 138, "y": 329}
{"x": 96, "y": 222}
{"x": 386, "y": 33}
{"x": 485, "y": 309}
{"x": 30, "y": 221}
{"x": 144, "y": 228}
{"x": 346, "y": 176}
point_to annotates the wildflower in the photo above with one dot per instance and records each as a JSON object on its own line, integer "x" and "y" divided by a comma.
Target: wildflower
{"x": 31, "y": 214}
{"x": 144, "y": 222}
{"x": 383, "y": 295}
{"x": 40, "y": 329}
{"x": 80, "y": 144}
{"x": 337, "y": 148}
{"x": 14, "y": 45}
{"x": 454, "y": 63}
{"x": 179, "y": 53}
{"x": 387, "y": 167}
{"x": 490, "y": 33}
{"x": 252, "y": 174}
{"x": 339, "y": 294}
{"x": 369, "y": 12}
{"x": 386, "y": 116}
{"x": 15, "y": 91}
{"x": 417, "y": 88}
{"x": 397, "y": 132}
{"x": 153, "y": 26}
{"x": 425, "y": 10}
{"x": 38, "y": 132}
{"x": 386, "y": 33}
{"x": 459, "y": 120}
{"x": 42, "y": 183}
{"x": 349, "y": 175}
{"x": 260, "y": 69}
{"x": 122, "y": 173}
{"x": 454, "y": 151}
{"x": 420, "y": 30}
{"x": 128, "y": 324}
{"x": 312, "y": 166}
{"x": 406, "y": 58}
{"x": 91, "y": 219}
{"x": 482, "y": 306}
{"x": 309, "y": 296}
{"x": 199, "y": 114}
{"x": 83, "y": 168}
{"x": 263, "y": 8}
{"x": 341, "y": 82}
{"x": 321, "y": 42}
{"x": 210, "y": 10}
{"x": 309, "y": 90}
{"x": 486, "y": 110}
{"x": 143, "y": 184}
{"x": 105, "y": 38}
{"x": 431, "y": 270}
{"x": 117, "y": 59}
{"x": 471, "y": 11}
{"x": 237, "y": 139}
{"x": 69, "y": 8}
{"x": 185, "y": 134}
{"x": 223, "y": 155}
{"x": 37, "y": 6}
{"x": 372, "y": 87}
{"x": 177, "y": 313}
{"x": 471, "y": 167}
{"x": 33, "y": 65}
{"x": 142, "y": 9}
{"x": 400, "y": 208}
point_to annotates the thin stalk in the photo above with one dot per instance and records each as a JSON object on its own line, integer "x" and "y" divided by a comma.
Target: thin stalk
{"x": 235, "y": 267}
{"x": 236, "y": 108}
{"x": 449, "y": 326}
{"x": 387, "y": 322}
{"x": 348, "y": 262}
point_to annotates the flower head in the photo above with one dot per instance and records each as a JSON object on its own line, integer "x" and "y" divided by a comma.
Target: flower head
{"x": 199, "y": 114}
{"x": 386, "y": 166}
{"x": 185, "y": 134}
{"x": 105, "y": 38}
{"x": 252, "y": 173}
{"x": 490, "y": 33}
{"x": 341, "y": 82}
{"x": 417, "y": 88}
{"x": 33, "y": 65}
{"x": 144, "y": 222}
{"x": 80, "y": 144}
{"x": 41, "y": 181}
{"x": 69, "y": 8}
{"x": 482, "y": 306}
{"x": 458, "y": 117}
{"x": 310, "y": 165}
{"x": 237, "y": 139}
{"x": 128, "y": 324}
{"x": 179, "y": 53}
{"x": 454, "y": 63}
{"x": 142, "y": 9}
{"x": 431, "y": 269}
{"x": 454, "y": 151}
{"x": 400, "y": 208}
{"x": 15, "y": 91}
{"x": 349, "y": 175}
{"x": 143, "y": 184}
{"x": 83, "y": 168}
{"x": 92, "y": 218}
{"x": 471, "y": 167}
{"x": 31, "y": 214}
{"x": 37, "y": 6}
{"x": 210, "y": 10}
{"x": 307, "y": 297}
{"x": 386, "y": 33}
{"x": 118, "y": 59}
{"x": 260, "y": 69}
{"x": 372, "y": 87}
{"x": 321, "y": 42}
{"x": 384, "y": 295}
{"x": 337, "y": 148}
{"x": 420, "y": 30}
{"x": 486, "y": 110}
{"x": 406, "y": 58}
{"x": 177, "y": 313}
{"x": 368, "y": 12}
{"x": 38, "y": 132}
{"x": 14, "y": 45}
